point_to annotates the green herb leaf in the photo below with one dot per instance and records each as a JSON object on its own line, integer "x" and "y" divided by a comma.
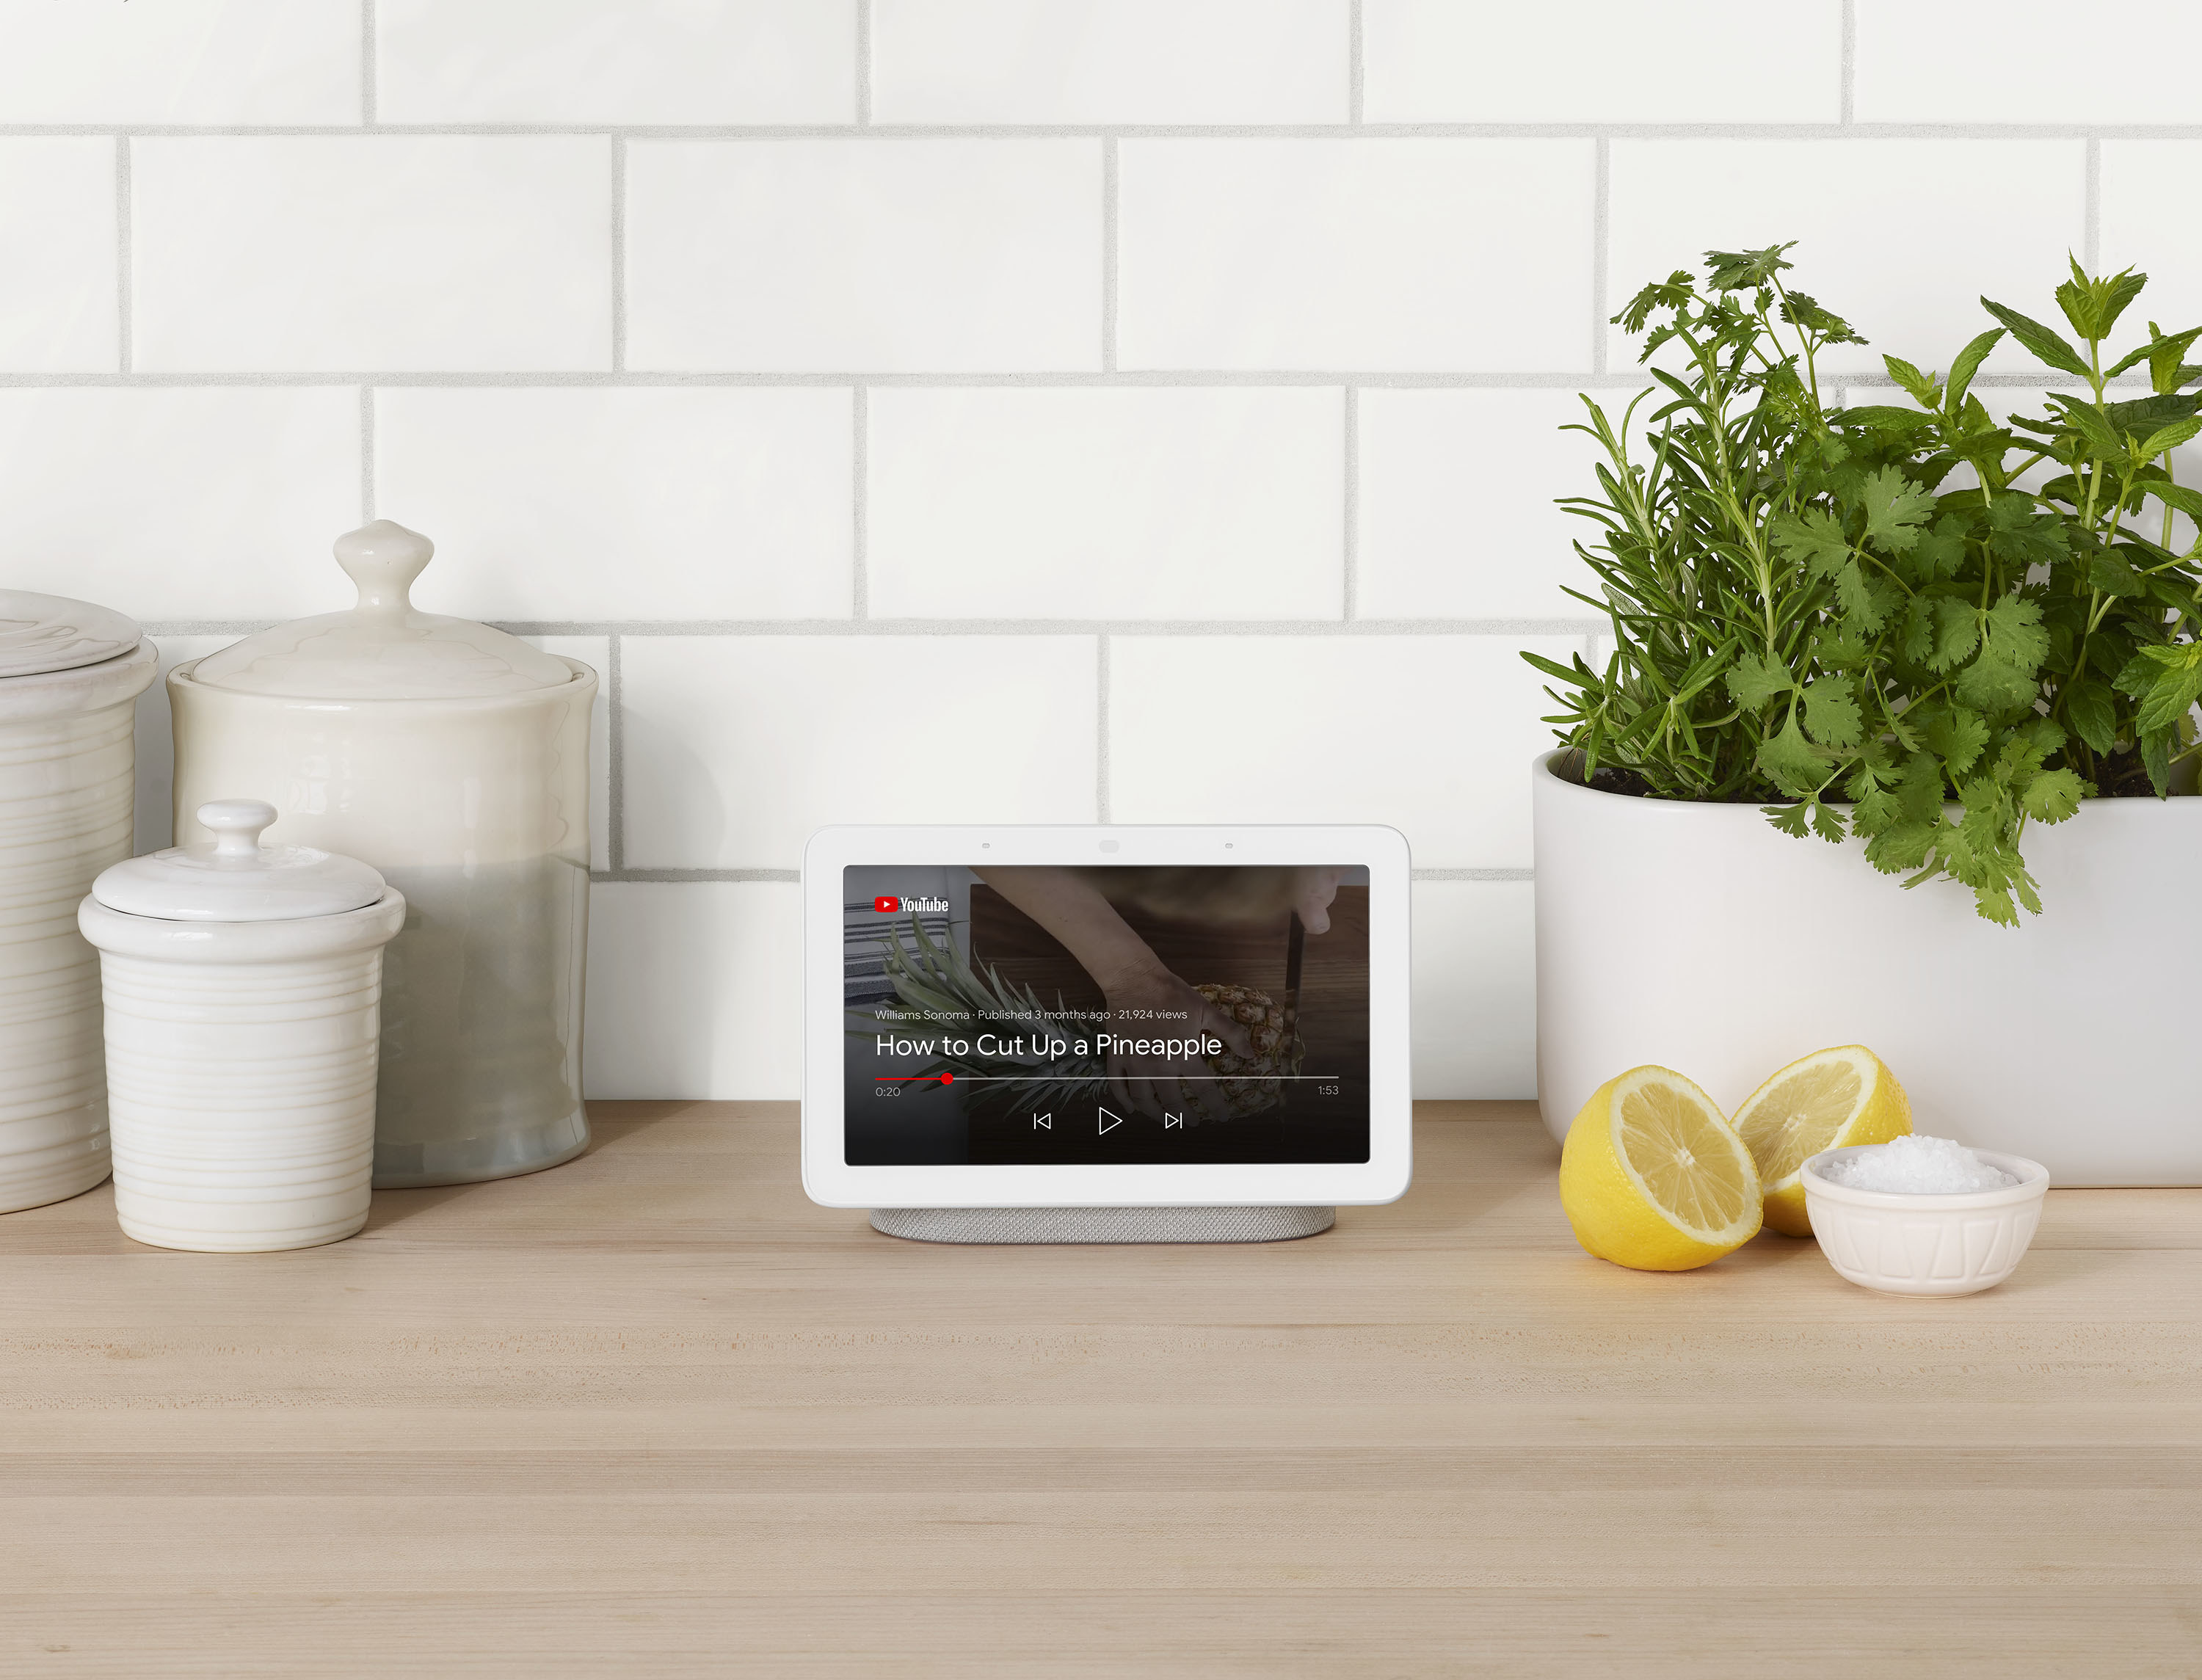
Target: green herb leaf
{"x": 2109, "y": 571}
{"x": 1940, "y": 552}
{"x": 1815, "y": 541}
{"x": 2091, "y": 425}
{"x": 1831, "y": 714}
{"x": 1894, "y": 511}
{"x": 1789, "y": 819}
{"x": 2156, "y": 759}
{"x": 2094, "y": 306}
{"x": 2188, "y": 502}
{"x": 1921, "y": 387}
{"x": 2169, "y": 438}
{"x": 1793, "y": 764}
{"x": 2092, "y": 711}
{"x": 1955, "y": 736}
{"x": 1744, "y": 270}
{"x": 1882, "y": 417}
{"x": 2166, "y": 375}
{"x": 1963, "y": 370}
{"x": 2052, "y": 796}
{"x": 2044, "y": 343}
{"x": 1918, "y": 643}
{"x": 2143, "y": 415}
{"x": 2176, "y": 686}
{"x": 2004, "y": 673}
{"x": 1956, "y": 633}
{"x": 1752, "y": 681}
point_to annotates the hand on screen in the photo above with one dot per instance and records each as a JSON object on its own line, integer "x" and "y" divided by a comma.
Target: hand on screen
{"x": 1313, "y": 892}
{"x": 1157, "y": 1004}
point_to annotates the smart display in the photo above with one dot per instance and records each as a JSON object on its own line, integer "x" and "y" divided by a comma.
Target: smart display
{"x": 1126, "y": 1017}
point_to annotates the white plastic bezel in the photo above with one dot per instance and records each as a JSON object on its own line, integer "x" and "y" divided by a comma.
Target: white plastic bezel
{"x": 829, "y": 1180}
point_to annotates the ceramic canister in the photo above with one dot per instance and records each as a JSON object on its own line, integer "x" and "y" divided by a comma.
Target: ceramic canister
{"x": 70, "y": 674}
{"x": 242, "y": 984}
{"x": 455, "y": 759}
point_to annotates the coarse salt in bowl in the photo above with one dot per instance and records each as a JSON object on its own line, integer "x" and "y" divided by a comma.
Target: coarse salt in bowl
{"x": 1923, "y": 1215}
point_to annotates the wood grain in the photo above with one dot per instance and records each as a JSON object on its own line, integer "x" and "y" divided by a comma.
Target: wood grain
{"x": 653, "y": 1413}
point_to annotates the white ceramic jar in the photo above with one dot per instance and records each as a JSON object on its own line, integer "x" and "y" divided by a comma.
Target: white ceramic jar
{"x": 454, "y": 758}
{"x": 70, "y": 675}
{"x": 242, "y": 983}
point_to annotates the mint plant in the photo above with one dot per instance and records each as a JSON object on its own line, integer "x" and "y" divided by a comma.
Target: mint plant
{"x": 1862, "y": 616}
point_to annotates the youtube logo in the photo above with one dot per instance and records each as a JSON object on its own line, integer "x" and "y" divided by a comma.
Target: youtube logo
{"x": 886, "y": 906}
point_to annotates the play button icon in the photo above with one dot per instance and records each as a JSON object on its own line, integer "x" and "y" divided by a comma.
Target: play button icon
{"x": 1109, "y": 1123}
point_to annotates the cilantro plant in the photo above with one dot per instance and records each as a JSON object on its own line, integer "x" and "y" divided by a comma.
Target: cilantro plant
{"x": 1913, "y": 624}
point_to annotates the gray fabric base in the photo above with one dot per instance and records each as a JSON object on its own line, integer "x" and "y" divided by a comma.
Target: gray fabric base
{"x": 1102, "y": 1224}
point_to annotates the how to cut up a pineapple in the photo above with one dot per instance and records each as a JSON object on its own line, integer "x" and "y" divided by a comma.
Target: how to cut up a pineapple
{"x": 934, "y": 978}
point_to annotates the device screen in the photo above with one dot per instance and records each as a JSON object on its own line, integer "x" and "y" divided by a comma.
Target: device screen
{"x": 1033, "y": 1016}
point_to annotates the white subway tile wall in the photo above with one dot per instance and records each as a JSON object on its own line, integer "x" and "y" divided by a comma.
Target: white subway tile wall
{"x": 1386, "y": 254}
{"x": 652, "y": 62}
{"x": 1042, "y": 410}
{"x": 1604, "y": 60}
{"x": 1107, "y": 503}
{"x": 1128, "y": 61}
{"x": 58, "y": 280}
{"x": 601, "y": 504}
{"x": 305, "y": 254}
{"x": 848, "y": 255}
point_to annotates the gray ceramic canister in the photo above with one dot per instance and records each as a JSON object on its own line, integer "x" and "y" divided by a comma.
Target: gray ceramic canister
{"x": 455, "y": 759}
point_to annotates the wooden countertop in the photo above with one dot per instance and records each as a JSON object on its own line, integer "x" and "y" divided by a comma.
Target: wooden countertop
{"x": 653, "y": 1413}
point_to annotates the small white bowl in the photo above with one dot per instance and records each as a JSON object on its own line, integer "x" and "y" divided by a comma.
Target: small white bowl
{"x": 1907, "y": 1245}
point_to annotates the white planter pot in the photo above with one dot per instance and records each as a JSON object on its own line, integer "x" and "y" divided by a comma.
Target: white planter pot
{"x": 1697, "y": 937}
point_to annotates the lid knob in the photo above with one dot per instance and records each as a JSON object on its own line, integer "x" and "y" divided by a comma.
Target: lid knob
{"x": 236, "y": 824}
{"x": 383, "y": 559}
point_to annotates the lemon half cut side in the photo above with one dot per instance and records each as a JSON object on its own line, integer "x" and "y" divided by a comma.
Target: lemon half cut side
{"x": 1828, "y": 1099}
{"x": 1653, "y": 1177}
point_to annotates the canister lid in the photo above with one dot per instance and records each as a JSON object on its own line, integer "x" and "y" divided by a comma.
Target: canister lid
{"x": 50, "y": 632}
{"x": 382, "y": 649}
{"x": 237, "y": 879}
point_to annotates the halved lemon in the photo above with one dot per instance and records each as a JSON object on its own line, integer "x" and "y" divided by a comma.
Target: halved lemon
{"x": 1830, "y": 1099}
{"x": 1651, "y": 1176}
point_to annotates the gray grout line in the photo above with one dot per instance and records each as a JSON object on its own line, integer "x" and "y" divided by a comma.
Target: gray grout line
{"x": 2091, "y": 238}
{"x": 1182, "y": 131}
{"x": 1101, "y": 729}
{"x": 1108, "y": 224}
{"x": 366, "y": 454}
{"x": 1847, "y": 102}
{"x": 689, "y": 877}
{"x": 1600, "y": 243}
{"x": 125, "y": 347}
{"x": 618, "y": 253}
{"x": 614, "y": 756}
{"x": 1350, "y": 510}
{"x": 860, "y": 503}
{"x": 1473, "y": 875}
{"x": 368, "y": 90}
{"x": 1575, "y": 625}
{"x": 1357, "y": 65}
{"x": 864, "y": 63}
{"x": 1228, "y": 379}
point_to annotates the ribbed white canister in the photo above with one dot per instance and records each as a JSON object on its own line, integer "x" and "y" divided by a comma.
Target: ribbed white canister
{"x": 241, "y": 1059}
{"x": 67, "y": 765}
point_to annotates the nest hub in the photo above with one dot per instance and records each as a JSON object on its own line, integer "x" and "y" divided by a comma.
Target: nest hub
{"x": 1105, "y": 1035}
